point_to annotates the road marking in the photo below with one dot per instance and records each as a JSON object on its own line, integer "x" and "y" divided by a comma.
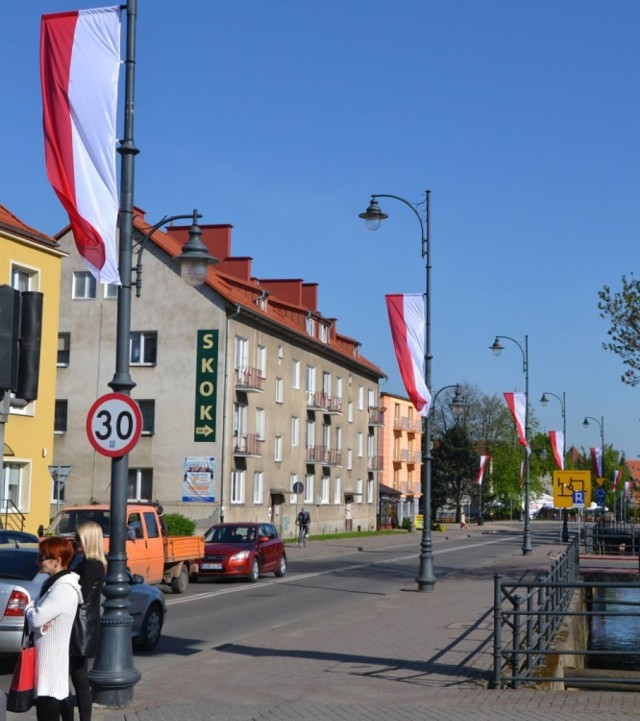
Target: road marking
{"x": 176, "y": 600}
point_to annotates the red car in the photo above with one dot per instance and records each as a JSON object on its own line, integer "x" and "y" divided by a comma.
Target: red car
{"x": 241, "y": 549}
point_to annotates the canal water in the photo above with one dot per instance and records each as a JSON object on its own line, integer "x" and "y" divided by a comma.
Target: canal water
{"x": 616, "y": 633}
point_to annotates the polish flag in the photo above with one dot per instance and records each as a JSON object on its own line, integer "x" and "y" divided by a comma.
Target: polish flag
{"x": 79, "y": 64}
{"x": 407, "y": 320}
{"x": 517, "y": 403}
{"x": 596, "y": 459}
{"x": 483, "y": 463}
{"x": 616, "y": 479}
{"x": 557, "y": 444}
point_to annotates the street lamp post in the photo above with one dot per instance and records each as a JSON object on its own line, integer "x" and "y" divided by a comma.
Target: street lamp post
{"x": 586, "y": 424}
{"x": 113, "y": 675}
{"x": 563, "y": 406}
{"x": 373, "y": 216}
{"x": 524, "y": 349}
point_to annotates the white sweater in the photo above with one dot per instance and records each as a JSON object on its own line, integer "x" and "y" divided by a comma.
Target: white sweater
{"x": 56, "y": 610}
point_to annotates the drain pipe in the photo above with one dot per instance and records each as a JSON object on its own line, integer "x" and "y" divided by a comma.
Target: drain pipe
{"x": 225, "y": 429}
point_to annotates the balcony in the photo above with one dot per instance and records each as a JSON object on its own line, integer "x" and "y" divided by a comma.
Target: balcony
{"x": 324, "y": 456}
{"x": 249, "y": 380}
{"x": 401, "y": 455}
{"x": 376, "y": 416}
{"x": 247, "y": 445}
{"x": 334, "y": 407}
{"x": 374, "y": 463}
{"x": 409, "y": 488}
{"x": 406, "y": 424}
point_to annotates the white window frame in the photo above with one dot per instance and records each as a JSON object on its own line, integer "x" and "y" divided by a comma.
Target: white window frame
{"x": 360, "y": 398}
{"x": 310, "y": 325}
{"x": 293, "y": 497}
{"x": 360, "y": 444}
{"x": 258, "y": 488}
{"x": 138, "y": 496}
{"x": 349, "y": 459}
{"x": 83, "y": 285}
{"x": 237, "y": 487}
{"x": 372, "y": 398}
{"x": 338, "y": 438}
{"x": 277, "y": 449}
{"x": 295, "y": 374}
{"x": 310, "y": 379}
{"x": 16, "y": 475}
{"x": 350, "y": 412}
{"x": 279, "y": 390}
{"x": 295, "y": 431}
{"x": 339, "y": 388}
{"x": 323, "y": 333}
{"x": 310, "y": 436}
{"x": 359, "y": 490}
{"x": 326, "y": 383}
{"x": 337, "y": 491}
{"x": 308, "y": 487}
{"x": 241, "y": 349}
{"x": 370, "y": 490}
{"x": 261, "y": 424}
{"x": 143, "y": 337}
{"x": 261, "y": 360}
{"x": 325, "y": 488}
{"x": 110, "y": 291}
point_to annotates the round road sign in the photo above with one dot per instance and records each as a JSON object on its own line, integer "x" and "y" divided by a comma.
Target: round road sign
{"x": 114, "y": 424}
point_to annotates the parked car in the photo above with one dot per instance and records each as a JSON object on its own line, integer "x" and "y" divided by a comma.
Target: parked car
{"x": 241, "y": 549}
{"x": 15, "y": 537}
{"x": 21, "y": 580}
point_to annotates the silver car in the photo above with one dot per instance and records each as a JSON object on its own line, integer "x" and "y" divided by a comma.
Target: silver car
{"x": 21, "y": 580}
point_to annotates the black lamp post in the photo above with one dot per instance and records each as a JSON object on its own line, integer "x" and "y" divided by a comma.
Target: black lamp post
{"x": 524, "y": 349}
{"x": 563, "y": 405}
{"x": 114, "y": 675}
{"x": 373, "y": 216}
{"x": 586, "y": 424}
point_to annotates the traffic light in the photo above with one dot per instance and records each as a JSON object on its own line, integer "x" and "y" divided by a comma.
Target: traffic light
{"x": 9, "y": 336}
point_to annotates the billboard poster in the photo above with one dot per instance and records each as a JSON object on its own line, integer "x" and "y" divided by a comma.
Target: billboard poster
{"x": 199, "y": 479}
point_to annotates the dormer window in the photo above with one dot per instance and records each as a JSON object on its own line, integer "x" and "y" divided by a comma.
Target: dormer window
{"x": 262, "y": 300}
{"x": 311, "y": 325}
{"x": 323, "y": 333}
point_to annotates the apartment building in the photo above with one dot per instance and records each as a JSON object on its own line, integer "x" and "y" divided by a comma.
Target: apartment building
{"x": 253, "y": 403}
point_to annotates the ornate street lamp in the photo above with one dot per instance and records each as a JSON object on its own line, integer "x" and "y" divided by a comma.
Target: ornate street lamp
{"x": 497, "y": 348}
{"x": 563, "y": 405}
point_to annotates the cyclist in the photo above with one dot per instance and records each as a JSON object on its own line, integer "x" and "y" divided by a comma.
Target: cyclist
{"x": 303, "y": 522}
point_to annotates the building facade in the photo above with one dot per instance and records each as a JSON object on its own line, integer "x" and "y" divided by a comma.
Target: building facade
{"x": 30, "y": 261}
{"x": 253, "y": 404}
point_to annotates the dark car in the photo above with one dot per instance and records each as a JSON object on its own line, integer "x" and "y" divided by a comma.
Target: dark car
{"x": 14, "y": 538}
{"x": 21, "y": 580}
{"x": 241, "y": 549}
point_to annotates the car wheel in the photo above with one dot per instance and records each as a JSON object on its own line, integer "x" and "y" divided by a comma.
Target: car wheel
{"x": 282, "y": 567}
{"x": 151, "y": 628}
{"x": 180, "y": 583}
{"x": 254, "y": 573}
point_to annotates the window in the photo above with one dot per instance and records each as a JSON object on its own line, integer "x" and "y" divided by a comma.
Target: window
{"x": 295, "y": 374}
{"x": 110, "y": 290}
{"x": 339, "y": 387}
{"x": 57, "y": 489}
{"x": 326, "y": 383}
{"x": 60, "y": 417}
{"x": 84, "y": 285}
{"x": 239, "y": 419}
{"x": 370, "y": 491}
{"x": 337, "y": 491}
{"x": 258, "y": 487}
{"x": 326, "y": 436}
{"x": 311, "y": 379}
{"x": 360, "y": 444}
{"x": 140, "y": 485}
{"x": 293, "y": 496}
{"x": 349, "y": 459}
{"x": 323, "y": 333}
{"x": 310, "y": 325}
{"x": 360, "y": 398}
{"x": 260, "y": 424}
{"x": 277, "y": 452}
{"x": 295, "y": 431}
{"x": 371, "y": 445}
{"x": 242, "y": 352}
{"x": 359, "y": 490}
{"x": 23, "y": 278}
{"x": 151, "y": 523}
{"x": 261, "y": 360}
{"x": 324, "y": 489}
{"x": 279, "y": 390}
{"x": 64, "y": 348}
{"x": 148, "y": 410}
{"x": 308, "y": 488}
{"x": 143, "y": 348}
{"x": 338, "y": 439}
{"x": 311, "y": 434}
{"x": 350, "y": 411}
{"x": 372, "y": 398}
{"x": 237, "y": 486}
{"x": 11, "y": 487}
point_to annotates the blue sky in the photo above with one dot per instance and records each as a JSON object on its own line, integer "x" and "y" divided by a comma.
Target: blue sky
{"x": 282, "y": 118}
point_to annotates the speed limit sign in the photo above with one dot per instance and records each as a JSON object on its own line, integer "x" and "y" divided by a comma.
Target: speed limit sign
{"x": 114, "y": 424}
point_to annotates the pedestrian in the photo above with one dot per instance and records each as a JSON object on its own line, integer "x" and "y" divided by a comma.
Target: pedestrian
{"x": 303, "y": 521}
{"x": 50, "y": 618}
{"x": 90, "y": 565}
{"x": 463, "y": 520}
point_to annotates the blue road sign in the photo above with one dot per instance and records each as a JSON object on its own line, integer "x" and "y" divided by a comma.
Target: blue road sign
{"x": 578, "y": 498}
{"x": 600, "y": 496}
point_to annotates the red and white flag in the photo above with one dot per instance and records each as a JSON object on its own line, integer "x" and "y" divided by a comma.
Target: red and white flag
{"x": 517, "y": 403}
{"x": 483, "y": 462}
{"x": 407, "y": 320}
{"x": 616, "y": 479}
{"x": 79, "y": 65}
{"x": 522, "y": 466}
{"x": 596, "y": 459}
{"x": 627, "y": 489}
{"x": 557, "y": 445}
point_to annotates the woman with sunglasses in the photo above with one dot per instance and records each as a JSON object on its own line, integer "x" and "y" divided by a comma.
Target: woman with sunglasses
{"x": 90, "y": 564}
{"x": 50, "y": 618}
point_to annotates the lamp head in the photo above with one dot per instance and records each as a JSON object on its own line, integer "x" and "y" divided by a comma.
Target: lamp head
{"x": 458, "y": 404}
{"x": 585, "y": 423}
{"x": 195, "y": 259}
{"x": 497, "y": 347}
{"x": 544, "y": 400}
{"x": 373, "y": 216}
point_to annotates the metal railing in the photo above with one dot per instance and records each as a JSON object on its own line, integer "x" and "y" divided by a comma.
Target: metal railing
{"x": 528, "y": 616}
{"x": 12, "y": 517}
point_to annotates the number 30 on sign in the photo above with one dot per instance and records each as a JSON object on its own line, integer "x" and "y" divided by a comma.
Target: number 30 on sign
{"x": 114, "y": 424}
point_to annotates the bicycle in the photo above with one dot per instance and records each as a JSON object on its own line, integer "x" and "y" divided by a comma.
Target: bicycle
{"x": 303, "y": 534}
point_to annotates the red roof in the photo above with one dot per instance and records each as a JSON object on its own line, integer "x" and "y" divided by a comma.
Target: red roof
{"x": 13, "y": 224}
{"x": 634, "y": 469}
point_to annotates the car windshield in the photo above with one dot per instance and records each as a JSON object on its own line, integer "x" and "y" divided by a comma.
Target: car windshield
{"x": 230, "y": 534}
{"x": 21, "y": 565}
{"x": 66, "y": 522}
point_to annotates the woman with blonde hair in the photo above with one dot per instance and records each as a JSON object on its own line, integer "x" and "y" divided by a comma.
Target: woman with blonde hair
{"x": 51, "y": 618}
{"x": 90, "y": 564}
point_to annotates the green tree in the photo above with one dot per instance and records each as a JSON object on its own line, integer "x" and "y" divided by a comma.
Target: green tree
{"x": 622, "y": 310}
{"x": 454, "y": 467}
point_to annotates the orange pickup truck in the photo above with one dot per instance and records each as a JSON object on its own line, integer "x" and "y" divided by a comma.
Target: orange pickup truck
{"x": 152, "y": 554}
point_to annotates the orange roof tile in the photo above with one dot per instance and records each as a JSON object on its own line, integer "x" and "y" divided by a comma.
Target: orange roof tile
{"x": 13, "y": 224}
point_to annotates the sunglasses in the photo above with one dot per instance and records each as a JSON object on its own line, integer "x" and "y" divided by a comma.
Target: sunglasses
{"x": 42, "y": 558}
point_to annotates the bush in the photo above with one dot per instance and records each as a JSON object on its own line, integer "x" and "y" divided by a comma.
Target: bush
{"x": 179, "y": 525}
{"x": 406, "y": 524}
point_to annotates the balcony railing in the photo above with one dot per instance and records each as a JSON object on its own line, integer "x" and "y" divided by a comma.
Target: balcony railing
{"x": 334, "y": 407}
{"x": 375, "y": 463}
{"x": 317, "y": 400}
{"x": 409, "y": 488}
{"x": 406, "y": 424}
{"x": 324, "y": 456}
{"x": 376, "y": 416}
{"x": 248, "y": 445}
{"x": 249, "y": 379}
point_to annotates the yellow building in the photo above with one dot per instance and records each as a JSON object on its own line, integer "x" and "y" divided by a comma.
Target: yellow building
{"x": 30, "y": 260}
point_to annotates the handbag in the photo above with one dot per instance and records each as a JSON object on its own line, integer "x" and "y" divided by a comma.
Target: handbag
{"x": 22, "y": 692}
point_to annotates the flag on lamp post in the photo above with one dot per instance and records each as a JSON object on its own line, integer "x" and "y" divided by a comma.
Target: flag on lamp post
{"x": 616, "y": 479}
{"x": 557, "y": 445}
{"x": 517, "y": 403}
{"x": 407, "y": 321}
{"x": 79, "y": 65}
{"x": 596, "y": 459}
{"x": 483, "y": 462}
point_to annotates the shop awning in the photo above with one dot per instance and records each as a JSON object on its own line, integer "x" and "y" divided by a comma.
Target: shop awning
{"x": 388, "y": 491}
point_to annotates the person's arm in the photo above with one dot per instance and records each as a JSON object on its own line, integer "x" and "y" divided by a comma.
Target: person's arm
{"x": 55, "y": 602}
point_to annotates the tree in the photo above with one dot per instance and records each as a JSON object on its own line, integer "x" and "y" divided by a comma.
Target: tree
{"x": 622, "y": 310}
{"x": 454, "y": 467}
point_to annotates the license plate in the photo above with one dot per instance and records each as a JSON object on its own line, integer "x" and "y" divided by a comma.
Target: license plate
{"x": 211, "y": 566}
